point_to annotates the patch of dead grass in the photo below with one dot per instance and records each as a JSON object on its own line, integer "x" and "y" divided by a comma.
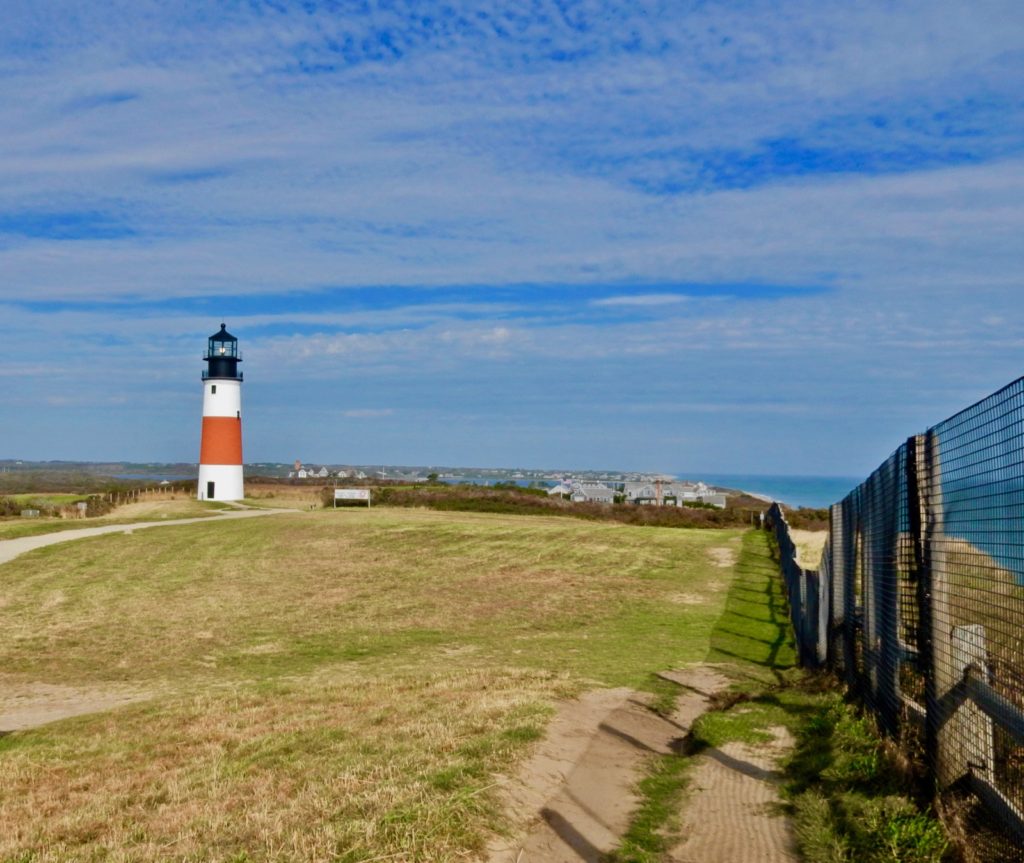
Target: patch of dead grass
{"x": 332, "y": 686}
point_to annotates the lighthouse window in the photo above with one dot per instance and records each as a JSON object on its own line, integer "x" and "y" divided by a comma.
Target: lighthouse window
{"x": 213, "y": 389}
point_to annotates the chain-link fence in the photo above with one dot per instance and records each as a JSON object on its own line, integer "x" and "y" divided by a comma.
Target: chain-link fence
{"x": 918, "y": 602}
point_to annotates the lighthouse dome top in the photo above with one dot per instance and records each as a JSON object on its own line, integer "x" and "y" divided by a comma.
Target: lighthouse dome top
{"x": 223, "y": 335}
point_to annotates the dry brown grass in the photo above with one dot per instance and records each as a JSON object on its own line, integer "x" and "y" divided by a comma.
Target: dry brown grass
{"x": 336, "y": 765}
{"x": 331, "y": 686}
{"x": 283, "y": 495}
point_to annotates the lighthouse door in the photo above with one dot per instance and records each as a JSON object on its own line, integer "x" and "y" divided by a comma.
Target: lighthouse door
{"x": 209, "y": 491}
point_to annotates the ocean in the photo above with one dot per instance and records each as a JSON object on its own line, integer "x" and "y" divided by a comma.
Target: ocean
{"x": 812, "y": 491}
{"x": 155, "y": 477}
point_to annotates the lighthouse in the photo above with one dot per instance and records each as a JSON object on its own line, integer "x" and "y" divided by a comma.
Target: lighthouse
{"x": 220, "y": 454}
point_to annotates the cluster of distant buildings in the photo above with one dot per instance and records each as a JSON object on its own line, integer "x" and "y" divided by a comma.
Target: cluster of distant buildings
{"x": 301, "y": 471}
{"x": 645, "y": 491}
{"x": 654, "y": 492}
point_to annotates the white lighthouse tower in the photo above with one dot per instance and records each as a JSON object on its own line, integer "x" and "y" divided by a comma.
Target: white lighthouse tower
{"x": 220, "y": 454}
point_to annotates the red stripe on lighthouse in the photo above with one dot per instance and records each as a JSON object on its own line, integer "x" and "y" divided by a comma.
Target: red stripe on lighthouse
{"x": 222, "y": 441}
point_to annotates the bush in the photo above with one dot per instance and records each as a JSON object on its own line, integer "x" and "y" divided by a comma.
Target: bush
{"x": 806, "y": 518}
{"x": 98, "y": 506}
{"x": 95, "y": 505}
{"x": 515, "y": 500}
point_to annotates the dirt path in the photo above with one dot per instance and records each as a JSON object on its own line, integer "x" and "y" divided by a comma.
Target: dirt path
{"x": 29, "y": 705}
{"x": 12, "y": 548}
{"x": 732, "y": 810}
{"x": 574, "y": 797}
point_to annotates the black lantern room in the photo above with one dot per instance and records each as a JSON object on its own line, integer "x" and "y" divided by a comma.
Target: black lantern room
{"x": 223, "y": 356}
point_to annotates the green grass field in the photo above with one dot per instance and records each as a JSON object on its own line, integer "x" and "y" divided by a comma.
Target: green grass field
{"x": 329, "y": 685}
{"x": 47, "y": 499}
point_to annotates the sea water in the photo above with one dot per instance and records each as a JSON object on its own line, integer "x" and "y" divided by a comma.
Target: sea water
{"x": 812, "y": 491}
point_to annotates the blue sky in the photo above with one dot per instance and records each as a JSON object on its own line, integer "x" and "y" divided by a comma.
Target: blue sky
{"x": 747, "y": 237}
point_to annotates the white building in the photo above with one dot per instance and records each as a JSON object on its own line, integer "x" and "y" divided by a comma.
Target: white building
{"x": 592, "y": 492}
{"x": 660, "y": 493}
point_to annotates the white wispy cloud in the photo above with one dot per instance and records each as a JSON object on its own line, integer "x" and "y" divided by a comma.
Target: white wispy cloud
{"x": 641, "y": 300}
{"x": 153, "y": 155}
{"x": 367, "y": 413}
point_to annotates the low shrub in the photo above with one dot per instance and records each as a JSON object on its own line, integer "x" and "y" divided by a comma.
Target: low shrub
{"x": 507, "y": 499}
{"x": 807, "y": 518}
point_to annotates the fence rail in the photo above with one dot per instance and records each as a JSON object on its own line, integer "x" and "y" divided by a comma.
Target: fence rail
{"x": 918, "y": 602}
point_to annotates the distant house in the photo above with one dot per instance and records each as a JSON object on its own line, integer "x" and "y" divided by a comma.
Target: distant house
{"x": 300, "y": 471}
{"x": 655, "y": 493}
{"x": 559, "y": 490}
{"x": 589, "y": 491}
{"x": 716, "y": 499}
{"x": 644, "y": 493}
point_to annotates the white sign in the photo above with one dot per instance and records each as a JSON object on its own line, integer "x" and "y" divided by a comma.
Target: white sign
{"x": 351, "y": 494}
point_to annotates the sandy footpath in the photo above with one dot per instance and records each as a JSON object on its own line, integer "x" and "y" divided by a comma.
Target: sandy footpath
{"x": 29, "y": 705}
{"x": 12, "y": 548}
{"x": 574, "y": 798}
{"x": 732, "y": 811}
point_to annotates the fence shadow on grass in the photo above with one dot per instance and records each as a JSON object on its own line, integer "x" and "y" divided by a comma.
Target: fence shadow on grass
{"x": 754, "y": 627}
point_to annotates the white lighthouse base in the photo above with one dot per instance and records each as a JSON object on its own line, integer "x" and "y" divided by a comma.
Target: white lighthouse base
{"x": 226, "y": 482}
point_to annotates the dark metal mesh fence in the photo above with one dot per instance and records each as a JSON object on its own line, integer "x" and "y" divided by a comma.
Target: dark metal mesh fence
{"x": 919, "y": 603}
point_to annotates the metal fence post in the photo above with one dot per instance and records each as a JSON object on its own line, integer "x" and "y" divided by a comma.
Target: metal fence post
{"x": 886, "y": 574}
{"x": 823, "y": 619}
{"x": 850, "y": 541}
{"x": 870, "y": 638}
{"x": 811, "y": 581}
{"x": 943, "y": 679}
{"x": 837, "y": 615}
{"x": 918, "y": 525}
